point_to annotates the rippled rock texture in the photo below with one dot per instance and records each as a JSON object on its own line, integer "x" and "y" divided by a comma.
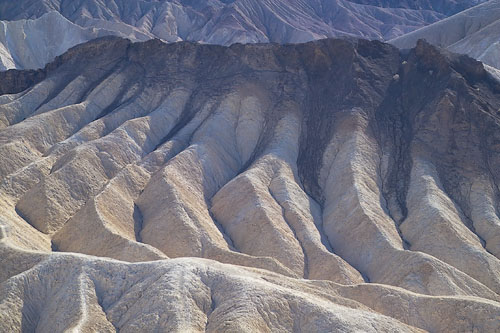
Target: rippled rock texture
{"x": 338, "y": 184}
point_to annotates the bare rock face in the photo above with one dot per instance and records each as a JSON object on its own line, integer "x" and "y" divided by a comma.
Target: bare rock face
{"x": 338, "y": 184}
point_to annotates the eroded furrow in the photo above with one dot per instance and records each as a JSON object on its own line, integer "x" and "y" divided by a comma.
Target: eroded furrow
{"x": 311, "y": 161}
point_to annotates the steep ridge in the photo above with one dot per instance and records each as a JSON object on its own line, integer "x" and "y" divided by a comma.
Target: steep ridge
{"x": 337, "y": 160}
{"x": 474, "y": 32}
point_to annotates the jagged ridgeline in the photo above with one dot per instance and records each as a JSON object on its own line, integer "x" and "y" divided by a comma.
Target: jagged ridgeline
{"x": 33, "y": 32}
{"x": 346, "y": 161}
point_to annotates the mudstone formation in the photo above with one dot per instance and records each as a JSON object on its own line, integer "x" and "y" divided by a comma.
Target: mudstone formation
{"x": 337, "y": 185}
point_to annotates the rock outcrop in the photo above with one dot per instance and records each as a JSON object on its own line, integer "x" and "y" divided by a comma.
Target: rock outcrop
{"x": 339, "y": 183}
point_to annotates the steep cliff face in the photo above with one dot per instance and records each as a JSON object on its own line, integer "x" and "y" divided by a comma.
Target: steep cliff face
{"x": 344, "y": 161}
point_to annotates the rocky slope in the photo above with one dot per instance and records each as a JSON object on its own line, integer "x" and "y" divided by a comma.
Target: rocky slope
{"x": 338, "y": 183}
{"x": 227, "y": 22}
{"x": 214, "y": 21}
{"x": 475, "y": 32}
{"x": 31, "y": 44}
{"x": 447, "y": 7}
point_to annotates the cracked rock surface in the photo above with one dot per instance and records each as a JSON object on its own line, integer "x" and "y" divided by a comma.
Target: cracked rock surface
{"x": 335, "y": 185}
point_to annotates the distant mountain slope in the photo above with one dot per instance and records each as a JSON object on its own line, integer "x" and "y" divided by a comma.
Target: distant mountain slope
{"x": 226, "y": 22}
{"x": 446, "y": 7}
{"x": 475, "y": 32}
{"x": 213, "y": 21}
{"x": 34, "y": 43}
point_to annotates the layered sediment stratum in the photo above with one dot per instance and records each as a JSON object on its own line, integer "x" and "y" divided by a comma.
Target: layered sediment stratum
{"x": 333, "y": 185}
